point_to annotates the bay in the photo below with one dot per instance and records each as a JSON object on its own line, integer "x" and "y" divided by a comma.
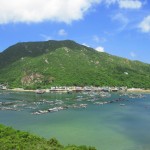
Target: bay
{"x": 123, "y": 124}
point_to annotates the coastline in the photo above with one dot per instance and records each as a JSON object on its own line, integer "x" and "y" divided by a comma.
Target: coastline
{"x": 130, "y": 90}
{"x": 138, "y": 90}
{"x": 20, "y": 90}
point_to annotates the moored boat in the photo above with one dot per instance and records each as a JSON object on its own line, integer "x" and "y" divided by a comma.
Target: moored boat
{"x": 40, "y": 91}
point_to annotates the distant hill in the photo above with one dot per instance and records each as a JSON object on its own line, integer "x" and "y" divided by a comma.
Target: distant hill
{"x": 66, "y": 63}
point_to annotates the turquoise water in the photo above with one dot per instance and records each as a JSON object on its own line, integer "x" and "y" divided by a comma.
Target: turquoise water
{"x": 107, "y": 127}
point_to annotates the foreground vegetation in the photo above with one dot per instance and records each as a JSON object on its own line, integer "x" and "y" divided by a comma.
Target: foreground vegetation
{"x": 34, "y": 65}
{"x": 11, "y": 139}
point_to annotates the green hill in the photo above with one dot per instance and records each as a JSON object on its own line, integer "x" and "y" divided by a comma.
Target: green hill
{"x": 11, "y": 139}
{"x": 57, "y": 63}
{"x": 33, "y": 49}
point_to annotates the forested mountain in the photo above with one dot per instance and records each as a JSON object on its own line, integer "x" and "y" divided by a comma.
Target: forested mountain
{"x": 66, "y": 63}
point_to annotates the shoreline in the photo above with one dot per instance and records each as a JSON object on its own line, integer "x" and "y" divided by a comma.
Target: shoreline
{"x": 129, "y": 90}
{"x": 20, "y": 90}
{"x": 138, "y": 90}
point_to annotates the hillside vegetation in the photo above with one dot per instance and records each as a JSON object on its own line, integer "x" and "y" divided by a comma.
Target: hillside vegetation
{"x": 65, "y": 63}
{"x": 11, "y": 139}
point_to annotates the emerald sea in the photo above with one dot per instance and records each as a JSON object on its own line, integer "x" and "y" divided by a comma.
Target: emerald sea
{"x": 116, "y": 121}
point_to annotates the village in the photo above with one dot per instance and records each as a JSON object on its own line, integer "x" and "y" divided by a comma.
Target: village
{"x": 68, "y": 89}
{"x": 87, "y": 89}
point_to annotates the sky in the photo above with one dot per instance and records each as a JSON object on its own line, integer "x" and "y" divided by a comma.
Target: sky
{"x": 117, "y": 27}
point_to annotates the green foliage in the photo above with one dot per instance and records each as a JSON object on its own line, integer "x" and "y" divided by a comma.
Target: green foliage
{"x": 14, "y": 139}
{"x": 79, "y": 148}
{"x": 66, "y": 63}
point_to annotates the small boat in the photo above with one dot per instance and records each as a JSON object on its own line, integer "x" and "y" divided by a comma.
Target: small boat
{"x": 40, "y": 91}
{"x": 122, "y": 104}
{"x": 39, "y": 112}
{"x": 105, "y": 102}
{"x": 83, "y": 105}
{"x": 36, "y": 113}
{"x": 53, "y": 109}
{"x": 99, "y": 103}
{"x": 43, "y": 111}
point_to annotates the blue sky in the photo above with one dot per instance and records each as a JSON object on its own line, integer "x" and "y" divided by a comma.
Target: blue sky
{"x": 118, "y": 27}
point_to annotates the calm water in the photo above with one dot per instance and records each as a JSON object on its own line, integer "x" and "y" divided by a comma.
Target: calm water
{"x": 107, "y": 127}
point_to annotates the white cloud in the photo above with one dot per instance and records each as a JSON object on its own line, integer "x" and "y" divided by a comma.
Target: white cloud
{"x": 131, "y": 4}
{"x": 132, "y": 54}
{"x": 110, "y": 2}
{"x": 85, "y": 44}
{"x": 145, "y": 24}
{"x": 125, "y": 4}
{"x": 122, "y": 19}
{"x": 100, "y": 49}
{"x": 45, "y": 37}
{"x": 62, "y": 32}
{"x": 33, "y": 11}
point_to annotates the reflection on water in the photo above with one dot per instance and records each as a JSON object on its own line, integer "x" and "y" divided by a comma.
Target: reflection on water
{"x": 116, "y": 121}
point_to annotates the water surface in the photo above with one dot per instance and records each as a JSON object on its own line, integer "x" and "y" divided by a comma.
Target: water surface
{"x": 120, "y": 125}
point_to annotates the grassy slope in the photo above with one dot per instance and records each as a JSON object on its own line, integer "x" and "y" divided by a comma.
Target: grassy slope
{"x": 18, "y": 140}
{"x": 77, "y": 65}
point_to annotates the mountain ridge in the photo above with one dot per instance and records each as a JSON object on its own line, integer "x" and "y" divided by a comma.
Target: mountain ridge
{"x": 33, "y": 49}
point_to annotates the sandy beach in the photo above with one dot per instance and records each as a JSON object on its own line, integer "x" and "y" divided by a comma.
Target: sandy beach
{"x": 138, "y": 90}
{"x": 20, "y": 90}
